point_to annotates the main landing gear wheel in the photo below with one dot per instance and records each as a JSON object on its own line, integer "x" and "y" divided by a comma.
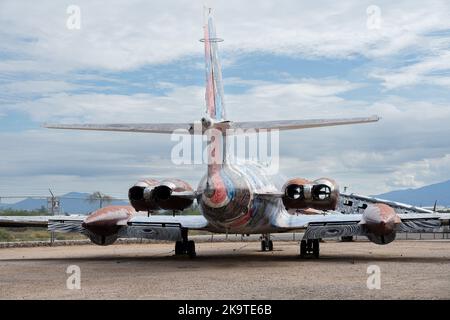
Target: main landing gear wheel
{"x": 190, "y": 250}
{"x": 310, "y": 248}
{"x": 263, "y": 245}
{"x": 266, "y": 243}
{"x": 185, "y": 246}
{"x": 178, "y": 248}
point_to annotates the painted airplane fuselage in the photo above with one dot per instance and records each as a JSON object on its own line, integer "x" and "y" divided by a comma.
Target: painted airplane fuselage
{"x": 228, "y": 199}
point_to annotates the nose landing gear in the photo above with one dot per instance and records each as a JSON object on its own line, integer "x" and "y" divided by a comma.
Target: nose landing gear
{"x": 266, "y": 243}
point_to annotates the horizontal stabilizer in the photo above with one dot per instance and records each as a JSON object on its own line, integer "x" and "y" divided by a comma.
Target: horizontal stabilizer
{"x": 300, "y": 124}
{"x": 226, "y": 125}
{"x": 125, "y": 127}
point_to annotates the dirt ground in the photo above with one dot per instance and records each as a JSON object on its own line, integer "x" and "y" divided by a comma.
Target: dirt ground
{"x": 236, "y": 270}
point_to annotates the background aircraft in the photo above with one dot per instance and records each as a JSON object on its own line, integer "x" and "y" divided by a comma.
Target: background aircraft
{"x": 237, "y": 198}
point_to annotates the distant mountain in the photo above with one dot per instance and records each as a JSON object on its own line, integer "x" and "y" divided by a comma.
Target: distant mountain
{"x": 424, "y": 196}
{"x": 73, "y": 202}
{"x": 76, "y": 202}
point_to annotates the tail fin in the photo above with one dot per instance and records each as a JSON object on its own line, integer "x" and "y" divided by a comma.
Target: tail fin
{"x": 215, "y": 106}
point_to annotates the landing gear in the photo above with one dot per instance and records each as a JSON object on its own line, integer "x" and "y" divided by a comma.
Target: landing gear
{"x": 266, "y": 243}
{"x": 185, "y": 246}
{"x": 310, "y": 248}
{"x": 179, "y": 248}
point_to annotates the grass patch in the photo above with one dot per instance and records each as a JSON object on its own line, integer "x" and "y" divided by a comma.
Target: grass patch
{"x": 34, "y": 234}
{"x": 10, "y": 212}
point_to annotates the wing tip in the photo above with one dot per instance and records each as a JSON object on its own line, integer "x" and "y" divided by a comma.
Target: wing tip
{"x": 375, "y": 118}
{"x": 55, "y": 126}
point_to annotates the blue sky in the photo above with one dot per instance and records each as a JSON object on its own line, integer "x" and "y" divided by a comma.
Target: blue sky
{"x": 141, "y": 61}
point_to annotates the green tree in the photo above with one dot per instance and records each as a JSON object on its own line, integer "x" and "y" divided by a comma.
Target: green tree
{"x": 99, "y": 197}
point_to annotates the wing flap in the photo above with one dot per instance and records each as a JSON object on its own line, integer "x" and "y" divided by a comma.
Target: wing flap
{"x": 65, "y": 226}
{"x": 38, "y": 221}
{"x": 153, "y": 232}
{"x": 332, "y": 230}
{"x": 188, "y": 222}
{"x": 338, "y": 224}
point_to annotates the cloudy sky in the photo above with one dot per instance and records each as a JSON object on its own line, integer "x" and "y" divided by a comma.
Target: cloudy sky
{"x": 141, "y": 61}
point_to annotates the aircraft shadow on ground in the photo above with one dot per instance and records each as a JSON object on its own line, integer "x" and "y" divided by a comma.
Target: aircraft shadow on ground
{"x": 241, "y": 258}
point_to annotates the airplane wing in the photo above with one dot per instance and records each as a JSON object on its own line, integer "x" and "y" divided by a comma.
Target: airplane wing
{"x": 354, "y": 203}
{"x": 161, "y": 227}
{"x": 37, "y": 221}
{"x": 336, "y": 224}
{"x": 156, "y": 227}
{"x": 189, "y": 222}
{"x": 300, "y": 124}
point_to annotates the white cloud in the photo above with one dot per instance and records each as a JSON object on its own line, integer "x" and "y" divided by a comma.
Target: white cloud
{"x": 101, "y": 108}
{"x": 306, "y": 97}
{"x": 31, "y": 87}
{"x": 427, "y": 71}
{"x": 368, "y": 158}
{"x": 119, "y": 35}
{"x": 409, "y": 147}
{"x": 421, "y": 172}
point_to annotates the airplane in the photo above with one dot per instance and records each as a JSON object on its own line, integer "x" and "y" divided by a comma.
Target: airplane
{"x": 240, "y": 199}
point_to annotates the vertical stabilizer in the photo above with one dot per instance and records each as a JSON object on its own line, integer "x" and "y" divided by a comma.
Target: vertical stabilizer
{"x": 215, "y": 106}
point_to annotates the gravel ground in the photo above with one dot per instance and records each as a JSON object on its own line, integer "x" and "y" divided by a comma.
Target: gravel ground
{"x": 228, "y": 270}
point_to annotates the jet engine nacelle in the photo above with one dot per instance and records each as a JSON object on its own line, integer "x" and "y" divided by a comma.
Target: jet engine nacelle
{"x": 149, "y": 194}
{"x": 102, "y": 226}
{"x": 380, "y": 221}
{"x": 102, "y": 240}
{"x": 320, "y": 194}
{"x": 388, "y": 238}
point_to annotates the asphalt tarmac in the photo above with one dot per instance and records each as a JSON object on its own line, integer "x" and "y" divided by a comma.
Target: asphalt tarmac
{"x": 228, "y": 270}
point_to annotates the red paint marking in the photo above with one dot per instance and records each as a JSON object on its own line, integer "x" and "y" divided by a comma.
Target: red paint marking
{"x": 220, "y": 190}
{"x": 242, "y": 220}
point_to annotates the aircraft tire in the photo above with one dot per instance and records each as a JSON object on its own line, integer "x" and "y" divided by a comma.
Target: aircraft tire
{"x": 316, "y": 248}
{"x": 191, "y": 249}
{"x": 302, "y": 248}
{"x": 179, "y": 248}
